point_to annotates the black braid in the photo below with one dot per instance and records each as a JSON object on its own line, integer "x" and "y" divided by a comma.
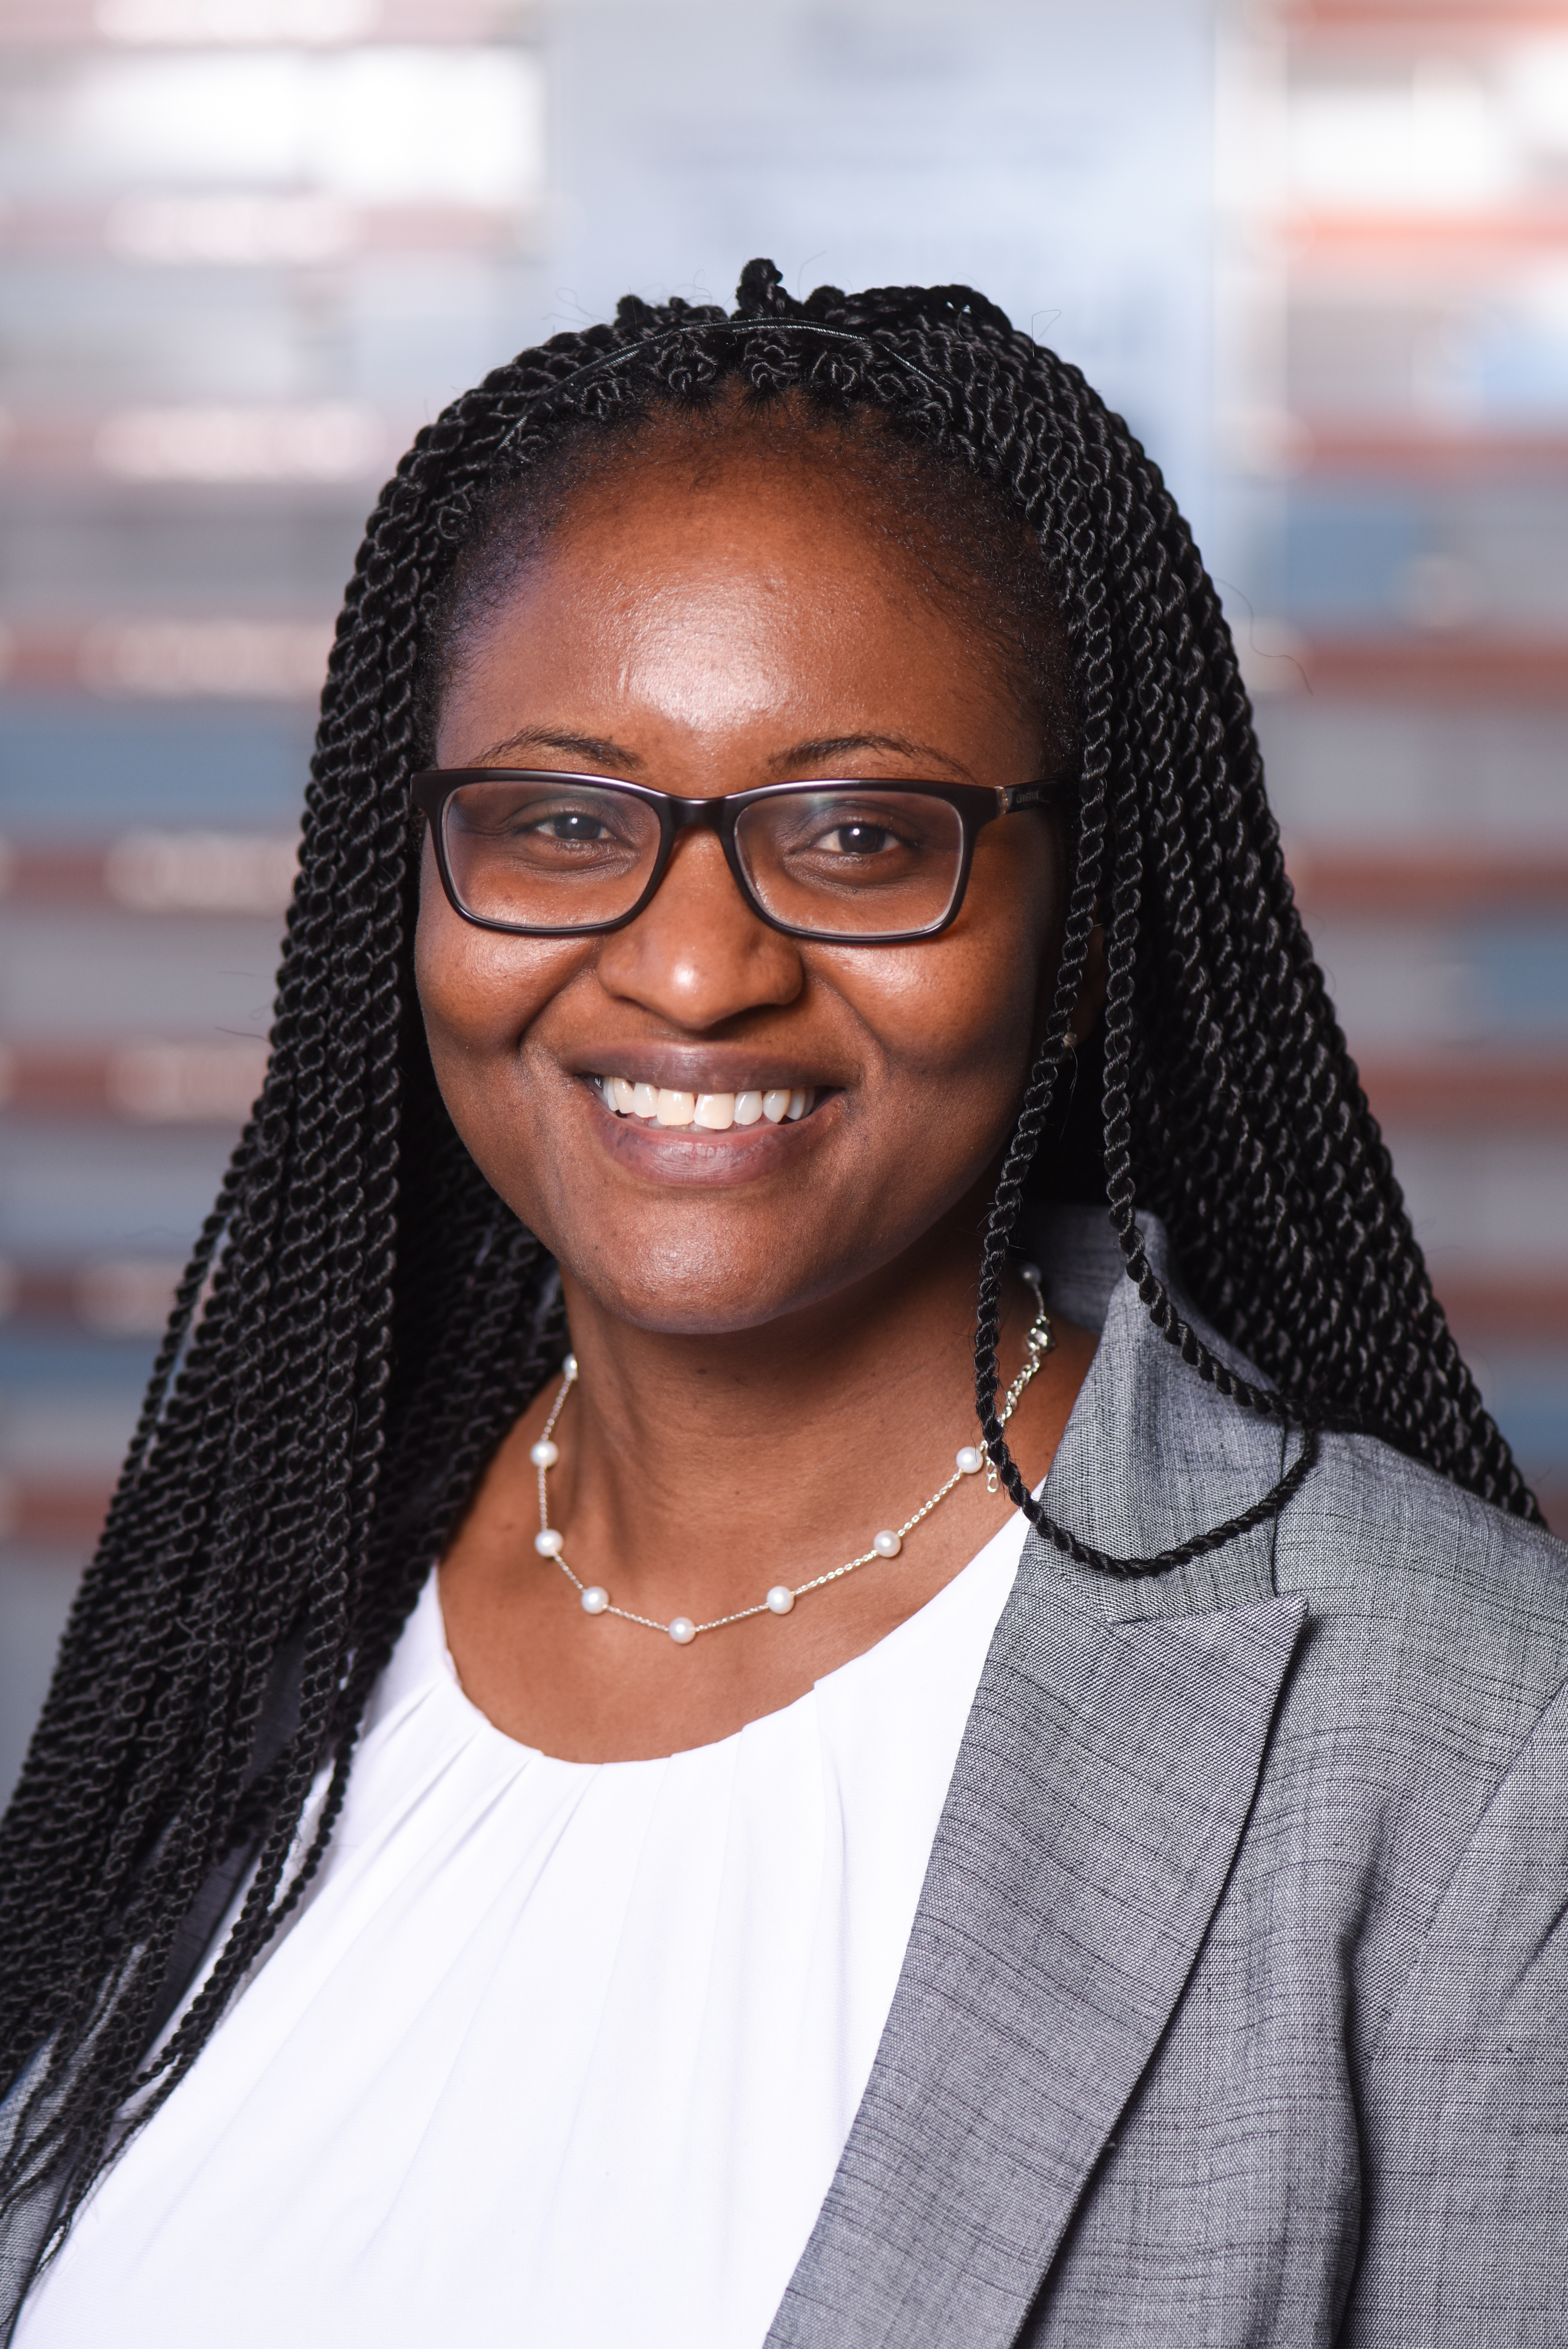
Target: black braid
{"x": 362, "y": 1319}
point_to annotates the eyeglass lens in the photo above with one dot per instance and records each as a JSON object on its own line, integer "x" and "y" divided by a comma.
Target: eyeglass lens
{"x": 536, "y": 854}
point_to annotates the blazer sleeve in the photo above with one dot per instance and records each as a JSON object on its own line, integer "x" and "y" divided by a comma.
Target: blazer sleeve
{"x": 1464, "y": 2114}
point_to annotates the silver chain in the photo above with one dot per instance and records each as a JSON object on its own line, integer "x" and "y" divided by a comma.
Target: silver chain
{"x": 970, "y": 1458}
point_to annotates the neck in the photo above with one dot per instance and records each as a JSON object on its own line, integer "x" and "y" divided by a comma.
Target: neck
{"x": 698, "y": 1471}
{"x": 682, "y": 1453}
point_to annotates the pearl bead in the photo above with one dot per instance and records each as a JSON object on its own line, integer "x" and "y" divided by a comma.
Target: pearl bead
{"x": 549, "y": 1543}
{"x": 570, "y": 1367}
{"x": 594, "y": 1601}
{"x": 683, "y": 1630}
{"x": 969, "y": 1461}
{"x": 545, "y": 1455}
{"x": 885, "y": 1545}
{"x": 781, "y": 1599}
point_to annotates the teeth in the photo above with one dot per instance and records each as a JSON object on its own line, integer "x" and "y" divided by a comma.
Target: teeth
{"x": 715, "y": 1112}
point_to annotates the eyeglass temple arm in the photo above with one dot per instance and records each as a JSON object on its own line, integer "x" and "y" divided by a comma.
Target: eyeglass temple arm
{"x": 1029, "y": 795}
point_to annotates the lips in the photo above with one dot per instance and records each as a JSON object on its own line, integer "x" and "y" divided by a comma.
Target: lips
{"x": 662, "y": 1105}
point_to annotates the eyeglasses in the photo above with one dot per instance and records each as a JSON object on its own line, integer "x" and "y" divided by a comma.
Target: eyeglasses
{"x": 549, "y": 855}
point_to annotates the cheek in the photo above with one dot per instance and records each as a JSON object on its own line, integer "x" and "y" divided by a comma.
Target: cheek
{"x": 478, "y": 989}
{"x": 939, "y": 1016}
{"x": 966, "y": 1007}
{"x": 954, "y": 1025}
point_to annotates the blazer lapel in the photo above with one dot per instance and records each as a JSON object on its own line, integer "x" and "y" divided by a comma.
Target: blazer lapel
{"x": 1103, "y": 1782}
{"x": 1102, "y": 1785}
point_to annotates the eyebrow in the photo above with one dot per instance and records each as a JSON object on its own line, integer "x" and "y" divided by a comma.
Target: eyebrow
{"x": 597, "y": 749}
{"x": 601, "y": 752}
{"x": 832, "y": 746}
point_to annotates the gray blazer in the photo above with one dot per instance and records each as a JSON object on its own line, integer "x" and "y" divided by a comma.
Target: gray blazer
{"x": 1236, "y": 2008}
{"x": 1235, "y": 2013}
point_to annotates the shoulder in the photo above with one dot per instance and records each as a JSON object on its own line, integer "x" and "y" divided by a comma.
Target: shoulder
{"x": 1417, "y": 1594}
{"x": 1419, "y": 1762}
{"x": 1377, "y": 1537}
{"x": 1417, "y": 1780}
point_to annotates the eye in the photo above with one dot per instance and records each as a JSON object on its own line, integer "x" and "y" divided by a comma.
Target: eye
{"x": 858, "y": 839}
{"x": 571, "y": 825}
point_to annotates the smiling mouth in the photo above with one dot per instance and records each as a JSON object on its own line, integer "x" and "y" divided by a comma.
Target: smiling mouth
{"x": 710, "y": 1112}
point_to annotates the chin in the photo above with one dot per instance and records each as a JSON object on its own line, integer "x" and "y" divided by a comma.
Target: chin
{"x": 695, "y": 1301}
{"x": 690, "y": 1285}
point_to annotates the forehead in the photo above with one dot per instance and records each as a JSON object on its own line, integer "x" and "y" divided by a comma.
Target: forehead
{"x": 750, "y": 496}
{"x": 780, "y": 547}
{"x": 759, "y": 553}
{"x": 763, "y": 505}
{"x": 743, "y": 597}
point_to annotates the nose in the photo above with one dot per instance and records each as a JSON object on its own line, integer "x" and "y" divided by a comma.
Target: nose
{"x": 698, "y": 956}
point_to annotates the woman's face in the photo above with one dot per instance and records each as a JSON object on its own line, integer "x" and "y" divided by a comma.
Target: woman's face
{"x": 706, "y": 632}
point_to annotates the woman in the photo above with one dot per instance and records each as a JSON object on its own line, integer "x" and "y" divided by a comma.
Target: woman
{"x": 784, "y": 811}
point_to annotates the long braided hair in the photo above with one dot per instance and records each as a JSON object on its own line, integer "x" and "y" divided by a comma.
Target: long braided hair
{"x": 362, "y": 1319}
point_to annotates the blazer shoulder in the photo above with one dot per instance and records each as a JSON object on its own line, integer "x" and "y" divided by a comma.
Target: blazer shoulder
{"x": 1418, "y": 1770}
{"x": 1373, "y": 1532}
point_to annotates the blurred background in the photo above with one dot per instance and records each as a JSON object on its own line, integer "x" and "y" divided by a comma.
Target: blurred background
{"x": 1315, "y": 250}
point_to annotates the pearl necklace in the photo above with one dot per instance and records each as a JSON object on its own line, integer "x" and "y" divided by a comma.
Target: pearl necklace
{"x": 970, "y": 1459}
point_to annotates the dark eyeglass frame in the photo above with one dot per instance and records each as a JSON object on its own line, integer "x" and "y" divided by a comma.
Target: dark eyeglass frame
{"x": 976, "y": 804}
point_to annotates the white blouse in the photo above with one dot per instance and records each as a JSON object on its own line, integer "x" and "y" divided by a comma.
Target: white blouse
{"x": 556, "y": 2055}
